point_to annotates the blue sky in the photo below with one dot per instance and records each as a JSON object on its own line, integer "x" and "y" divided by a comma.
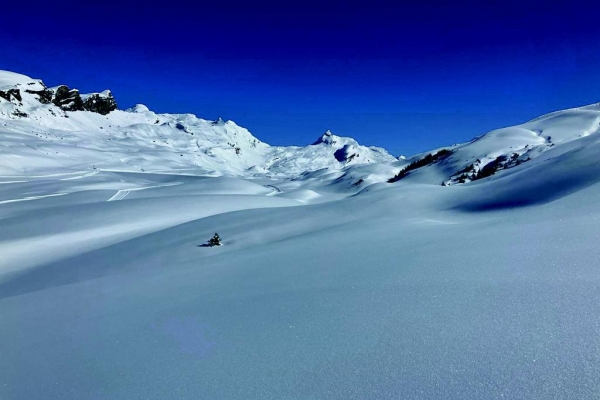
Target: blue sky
{"x": 408, "y": 76}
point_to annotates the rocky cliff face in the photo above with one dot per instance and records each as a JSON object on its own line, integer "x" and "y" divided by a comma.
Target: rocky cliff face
{"x": 101, "y": 103}
{"x": 11, "y": 95}
{"x": 67, "y": 99}
{"x": 44, "y": 95}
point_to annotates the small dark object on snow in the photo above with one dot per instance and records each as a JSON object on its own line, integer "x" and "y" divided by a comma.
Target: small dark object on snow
{"x": 214, "y": 241}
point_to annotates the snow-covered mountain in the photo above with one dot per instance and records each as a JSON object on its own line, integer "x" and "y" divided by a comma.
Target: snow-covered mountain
{"x": 60, "y": 128}
{"x": 466, "y": 272}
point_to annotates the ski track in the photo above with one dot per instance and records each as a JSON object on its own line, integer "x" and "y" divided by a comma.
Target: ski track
{"x": 41, "y": 176}
{"x": 80, "y": 177}
{"x": 121, "y": 194}
{"x": 7, "y": 182}
{"x": 32, "y": 198}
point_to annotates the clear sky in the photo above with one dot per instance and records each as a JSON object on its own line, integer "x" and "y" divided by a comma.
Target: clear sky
{"x": 408, "y": 76}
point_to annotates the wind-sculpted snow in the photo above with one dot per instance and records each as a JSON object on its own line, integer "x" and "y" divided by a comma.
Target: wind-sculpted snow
{"x": 393, "y": 291}
{"x": 329, "y": 283}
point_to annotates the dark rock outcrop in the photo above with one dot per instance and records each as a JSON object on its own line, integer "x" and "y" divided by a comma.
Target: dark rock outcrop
{"x": 101, "y": 103}
{"x": 19, "y": 113}
{"x": 64, "y": 98}
{"x": 422, "y": 162}
{"x": 70, "y": 100}
{"x": 10, "y": 94}
{"x": 44, "y": 96}
{"x": 67, "y": 99}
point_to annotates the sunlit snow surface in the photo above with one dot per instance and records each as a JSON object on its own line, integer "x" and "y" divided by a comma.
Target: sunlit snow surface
{"x": 325, "y": 288}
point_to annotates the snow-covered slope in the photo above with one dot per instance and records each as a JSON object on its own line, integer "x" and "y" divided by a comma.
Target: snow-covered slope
{"x": 412, "y": 291}
{"x": 331, "y": 282}
{"x": 11, "y": 80}
{"x": 506, "y": 148}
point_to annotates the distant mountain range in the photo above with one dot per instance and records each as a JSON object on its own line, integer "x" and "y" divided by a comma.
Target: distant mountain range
{"x": 58, "y": 129}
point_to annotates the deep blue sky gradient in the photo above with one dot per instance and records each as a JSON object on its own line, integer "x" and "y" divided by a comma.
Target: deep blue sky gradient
{"x": 409, "y": 76}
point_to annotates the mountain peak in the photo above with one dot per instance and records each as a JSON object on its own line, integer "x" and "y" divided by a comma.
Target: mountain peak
{"x": 328, "y": 138}
{"x": 219, "y": 122}
{"x": 138, "y": 108}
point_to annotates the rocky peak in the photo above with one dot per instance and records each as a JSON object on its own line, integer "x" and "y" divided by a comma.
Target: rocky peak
{"x": 67, "y": 99}
{"x": 71, "y": 100}
{"x": 101, "y": 103}
{"x": 328, "y": 138}
{"x": 219, "y": 122}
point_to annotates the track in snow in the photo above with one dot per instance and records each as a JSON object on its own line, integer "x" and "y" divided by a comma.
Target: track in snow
{"x": 32, "y": 198}
{"x": 81, "y": 176}
{"x": 120, "y": 195}
{"x": 13, "y": 182}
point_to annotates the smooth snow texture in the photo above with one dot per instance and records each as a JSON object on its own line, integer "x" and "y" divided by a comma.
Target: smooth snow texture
{"x": 9, "y": 79}
{"x": 330, "y": 283}
{"x": 407, "y": 292}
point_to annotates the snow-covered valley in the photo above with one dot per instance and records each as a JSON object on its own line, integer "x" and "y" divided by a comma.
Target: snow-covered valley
{"x": 474, "y": 274}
